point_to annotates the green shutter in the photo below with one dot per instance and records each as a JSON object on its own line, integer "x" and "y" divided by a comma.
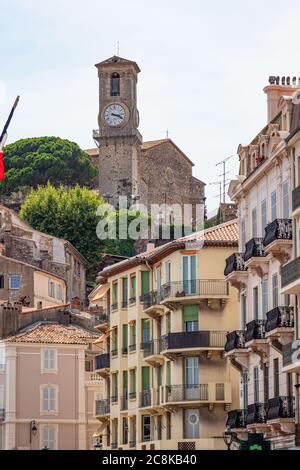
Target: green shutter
{"x": 125, "y": 336}
{"x": 193, "y": 267}
{"x": 133, "y": 286}
{"x": 185, "y": 271}
{"x": 115, "y": 293}
{"x": 125, "y": 380}
{"x": 115, "y": 339}
{"x": 145, "y": 378}
{"x": 133, "y": 384}
{"x": 145, "y": 282}
{"x": 125, "y": 290}
{"x": 190, "y": 313}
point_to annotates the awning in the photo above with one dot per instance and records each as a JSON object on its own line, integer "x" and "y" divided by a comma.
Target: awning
{"x": 100, "y": 293}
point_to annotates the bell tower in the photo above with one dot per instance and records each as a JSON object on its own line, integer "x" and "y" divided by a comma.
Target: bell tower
{"x": 118, "y": 138}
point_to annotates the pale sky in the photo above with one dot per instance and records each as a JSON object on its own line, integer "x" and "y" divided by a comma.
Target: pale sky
{"x": 203, "y": 67}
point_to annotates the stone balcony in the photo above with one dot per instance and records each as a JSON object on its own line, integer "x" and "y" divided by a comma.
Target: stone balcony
{"x": 279, "y": 327}
{"x": 278, "y": 239}
{"x": 255, "y": 257}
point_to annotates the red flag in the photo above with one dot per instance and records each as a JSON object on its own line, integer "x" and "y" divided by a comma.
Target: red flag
{"x": 2, "y": 172}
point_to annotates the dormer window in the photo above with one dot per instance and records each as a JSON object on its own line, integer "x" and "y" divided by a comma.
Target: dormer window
{"x": 115, "y": 84}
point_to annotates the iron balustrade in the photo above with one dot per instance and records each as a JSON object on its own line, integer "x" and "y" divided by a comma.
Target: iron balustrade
{"x": 196, "y": 287}
{"x": 102, "y": 317}
{"x": 290, "y": 272}
{"x": 124, "y": 402}
{"x": 234, "y": 263}
{"x": 124, "y": 351}
{"x": 102, "y": 407}
{"x": 114, "y": 352}
{"x": 235, "y": 340}
{"x": 114, "y": 398}
{"x": 281, "y": 407}
{"x": 254, "y": 248}
{"x": 145, "y": 398}
{"x": 257, "y": 413}
{"x": 102, "y": 361}
{"x": 132, "y": 395}
{"x": 152, "y": 298}
{"x": 178, "y": 393}
{"x": 151, "y": 348}
{"x": 194, "y": 339}
{"x": 255, "y": 330}
{"x": 296, "y": 198}
{"x": 132, "y": 347}
{"x": 2, "y": 414}
{"x": 114, "y": 306}
{"x": 236, "y": 419}
{"x": 280, "y": 317}
{"x": 279, "y": 229}
{"x": 132, "y": 300}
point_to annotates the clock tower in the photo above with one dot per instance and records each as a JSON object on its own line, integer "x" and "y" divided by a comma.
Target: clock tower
{"x": 118, "y": 138}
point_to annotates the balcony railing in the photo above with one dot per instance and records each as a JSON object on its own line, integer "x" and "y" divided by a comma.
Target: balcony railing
{"x": 281, "y": 407}
{"x": 114, "y": 352}
{"x": 236, "y": 419}
{"x": 145, "y": 398}
{"x": 290, "y": 272}
{"x": 114, "y": 306}
{"x": 235, "y": 263}
{"x": 2, "y": 414}
{"x": 102, "y": 407}
{"x": 279, "y": 229}
{"x": 177, "y": 393}
{"x": 201, "y": 287}
{"x": 102, "y": 361}
{"x": 254, "y": 248}
{"x": 114, "y": 398}
{"x": 255, "y": 330}
{"x": 296, "y": 198}
{"x": 132, "y": 395}
{"x": 132, "y": 300}
{"x": 194, "y": 339}
{"x": 235, "y": 340}
{"x": 124, "y": 304}
{"x": 257, "y": 413}
{"x": 114, "y": 445}
{"x": 152, "y": 298}
{"x": 124, "y": 402}
{"x": 132, "y": 347}
{"x": 151, "y": 348}
{"x": 280, "y": 317}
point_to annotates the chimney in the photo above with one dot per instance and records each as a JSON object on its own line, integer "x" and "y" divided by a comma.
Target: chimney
{"x": 279, "y": 86}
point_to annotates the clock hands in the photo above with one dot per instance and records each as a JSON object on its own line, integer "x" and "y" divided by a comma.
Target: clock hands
{"x": 117, "y": 115}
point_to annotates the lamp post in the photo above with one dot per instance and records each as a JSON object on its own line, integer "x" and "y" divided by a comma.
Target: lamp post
{"x": 33, "y": 430}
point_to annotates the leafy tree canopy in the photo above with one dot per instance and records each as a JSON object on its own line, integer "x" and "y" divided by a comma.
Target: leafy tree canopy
{"x": 35, "y": 161}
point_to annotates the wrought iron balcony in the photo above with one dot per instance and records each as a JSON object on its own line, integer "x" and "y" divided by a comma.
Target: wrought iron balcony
{"x": 102, "y": 361}
{"x": 145, "y": 398}
{"x": 102, "y": 407}
{"x": 124, "y": 304}
{"x": 290, "y": 273}
{"x": 178, "y": 393}
{"x": 279, "y": 229}
{"x": 255, "y": 330}
{"x": 254, "y": 248}
{"x": 132, "y": 300}
{"x": 199, "y": 287}
{"x": 151, "y": 348}
{"x": 237, "y": 419}
{"x": 2, "y": 414}
{"x": 281, "y": 407}
{"x": 235, "y": 340}
{"x": 235, "y": 263}
{"x": 132, "y": 395}
{"x": 132, "y": 347}
{"x": 280, "y": 317}
{"x": 296, "y": 198}
{"x": 152, "y": 298}
{"x": 257, "y": 413}
{"x": 124, "y": 402}
{"x": 194, "y": 339}
{"x": 114, "y": 306}
{"x": 114, "y": 352}
{"x": 114, "y": 398}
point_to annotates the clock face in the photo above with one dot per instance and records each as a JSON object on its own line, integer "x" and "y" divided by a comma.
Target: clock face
{"x": 114, "y": 115}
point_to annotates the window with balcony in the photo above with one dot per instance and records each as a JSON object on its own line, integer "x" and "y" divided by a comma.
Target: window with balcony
{"x": 114, "y": 387}
{"x": 132, "y": 331}
{"x": 132, "y": 289}
{"x": 245, "y": 379}
{"x": 285, "y": 200}
{"x": 168, "y": 425}
{"x": 145, "y": 378}
{"x": 256, "y": 384}
{"x": 115, "y": 295}
{"x": 273, "y": 206}
{"x": 158, "y": 279}
{"x": 125, "y": 383}
{"x": 275, "y": 292}
{"x": 132, "y": 377}
{"x": 255, "y": 303}
{"x": 189, "y": 273}
{"x": 169, "y": 379}
{"x": 276, "y": 376}
{"x": 115, "y": 346}
{"x": 243, "y": 311}
{"x": 263, "y": 210}
{"x": 14, "y": 281}
{"x": 265, "y": 296}
{"x": 145, "y": 282}
{"x": 49, "y": 360}
{"x": 2, "y": 359}
{"x": 191, "y": 424}
{"x": 146, "y": 428}
{"x": 1, "y": 281}
{"x": 191, "y": 317}
{"x": 159, "y": 427}
{"x": 125, "y": 339}
{"x": 192, "y": 378}
{"x": 48, "y": 437}
{"x": 168, "y": 271}
{"x": 145, "y": 331}
{"x": 49, "y": 398}
{"x": 254, "y": 223}
{"x": 124, "y": 292}
{"x": 125, "y": 430}
{"x": 168, "y": 323}
{"x": 266, "y": 382}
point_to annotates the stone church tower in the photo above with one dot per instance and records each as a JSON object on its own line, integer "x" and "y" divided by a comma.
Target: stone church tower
{"x": 154, "y": 172}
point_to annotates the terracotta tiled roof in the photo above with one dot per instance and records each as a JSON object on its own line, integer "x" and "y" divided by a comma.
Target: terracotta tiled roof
{"x": 227, "y": 232}
{"x": 153, "y": 143}
{"x": 55, "y": 333}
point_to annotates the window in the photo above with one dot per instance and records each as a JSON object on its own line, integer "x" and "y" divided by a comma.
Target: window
{"x": 132, "y": 287}
{"x": 265, "y": 296}
{"x": 244, "y": 310}
{"x": 14, "y": 281}
{"x": 145, "y": 378}
{"x": 263, "y": 209}
{"x": 2, "y": 359}
{"x": 49, "y": 399}
{"x": 115, "y": 388}
{"x": 146, "y": 428}
{"x": 125, "y": 430}
{"x": 159, "y": 427}
{"x": 49, "y": 360}
{"x": 168, "y": 366}
{"x": 254, "y": 223}
{"x": 168, "y": 323}
{"x": 125, "y": 383}
{"x": 285, "y": 200}
{"x": 256, "y": 384}
{"x": 190, "y": 317}
{"x": 115, "y": 341}
{"x": 49, "y": 437}
{"x": 275, "y": 290}
{"x": 124, "y": 292}
{"x": 289, "y": 384}
{"x": 266, "y": 383}
{"x": 158, "y": 279}
{"x": 59, "y": 292}
{"x": 168, "y": 272}
{"x": 125, "y": 339}
{"x": 192, "y": 370}
{"x": 273, "y": 206}
{"x": 243, "y": 234}
{"x": 115, "y": 293}
{"x": 189, "y": 274}
{"x": 145, "y": 282}
{"x": 132, "y": 377}
{"x": 115, "y": 84}
{"x": 1, "y": 281}
{"x": 245, "y": 389}
{"x": 51, "y": 289}
{"x": 145, "y": 331}
{"x": 133, "y": 333}
{"x": 191, "y": 424}
{"x": 255, "y": 303}
{"x": 168, "y": 425}
{"x": 276, "y": 377}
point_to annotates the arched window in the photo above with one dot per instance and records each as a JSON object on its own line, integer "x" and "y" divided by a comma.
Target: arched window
{"x": 115, "y": 84}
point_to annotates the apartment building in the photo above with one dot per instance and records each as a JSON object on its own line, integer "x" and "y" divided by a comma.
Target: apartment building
{"x": 48, "y": 386}
{"x": 167, "y": 383}
{"x": 263, "y": 193}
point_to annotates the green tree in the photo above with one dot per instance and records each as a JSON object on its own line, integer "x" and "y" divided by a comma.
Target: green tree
{"x": 35, "y": 161}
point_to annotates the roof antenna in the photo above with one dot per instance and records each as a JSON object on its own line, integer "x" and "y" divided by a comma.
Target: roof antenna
{"x": 167, "y": 133}
{"x": 118, "y": 48}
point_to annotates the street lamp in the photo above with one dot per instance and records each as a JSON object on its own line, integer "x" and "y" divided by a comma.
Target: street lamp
{"x": 33, "y": 430}
{"x": 228, "y": 438}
